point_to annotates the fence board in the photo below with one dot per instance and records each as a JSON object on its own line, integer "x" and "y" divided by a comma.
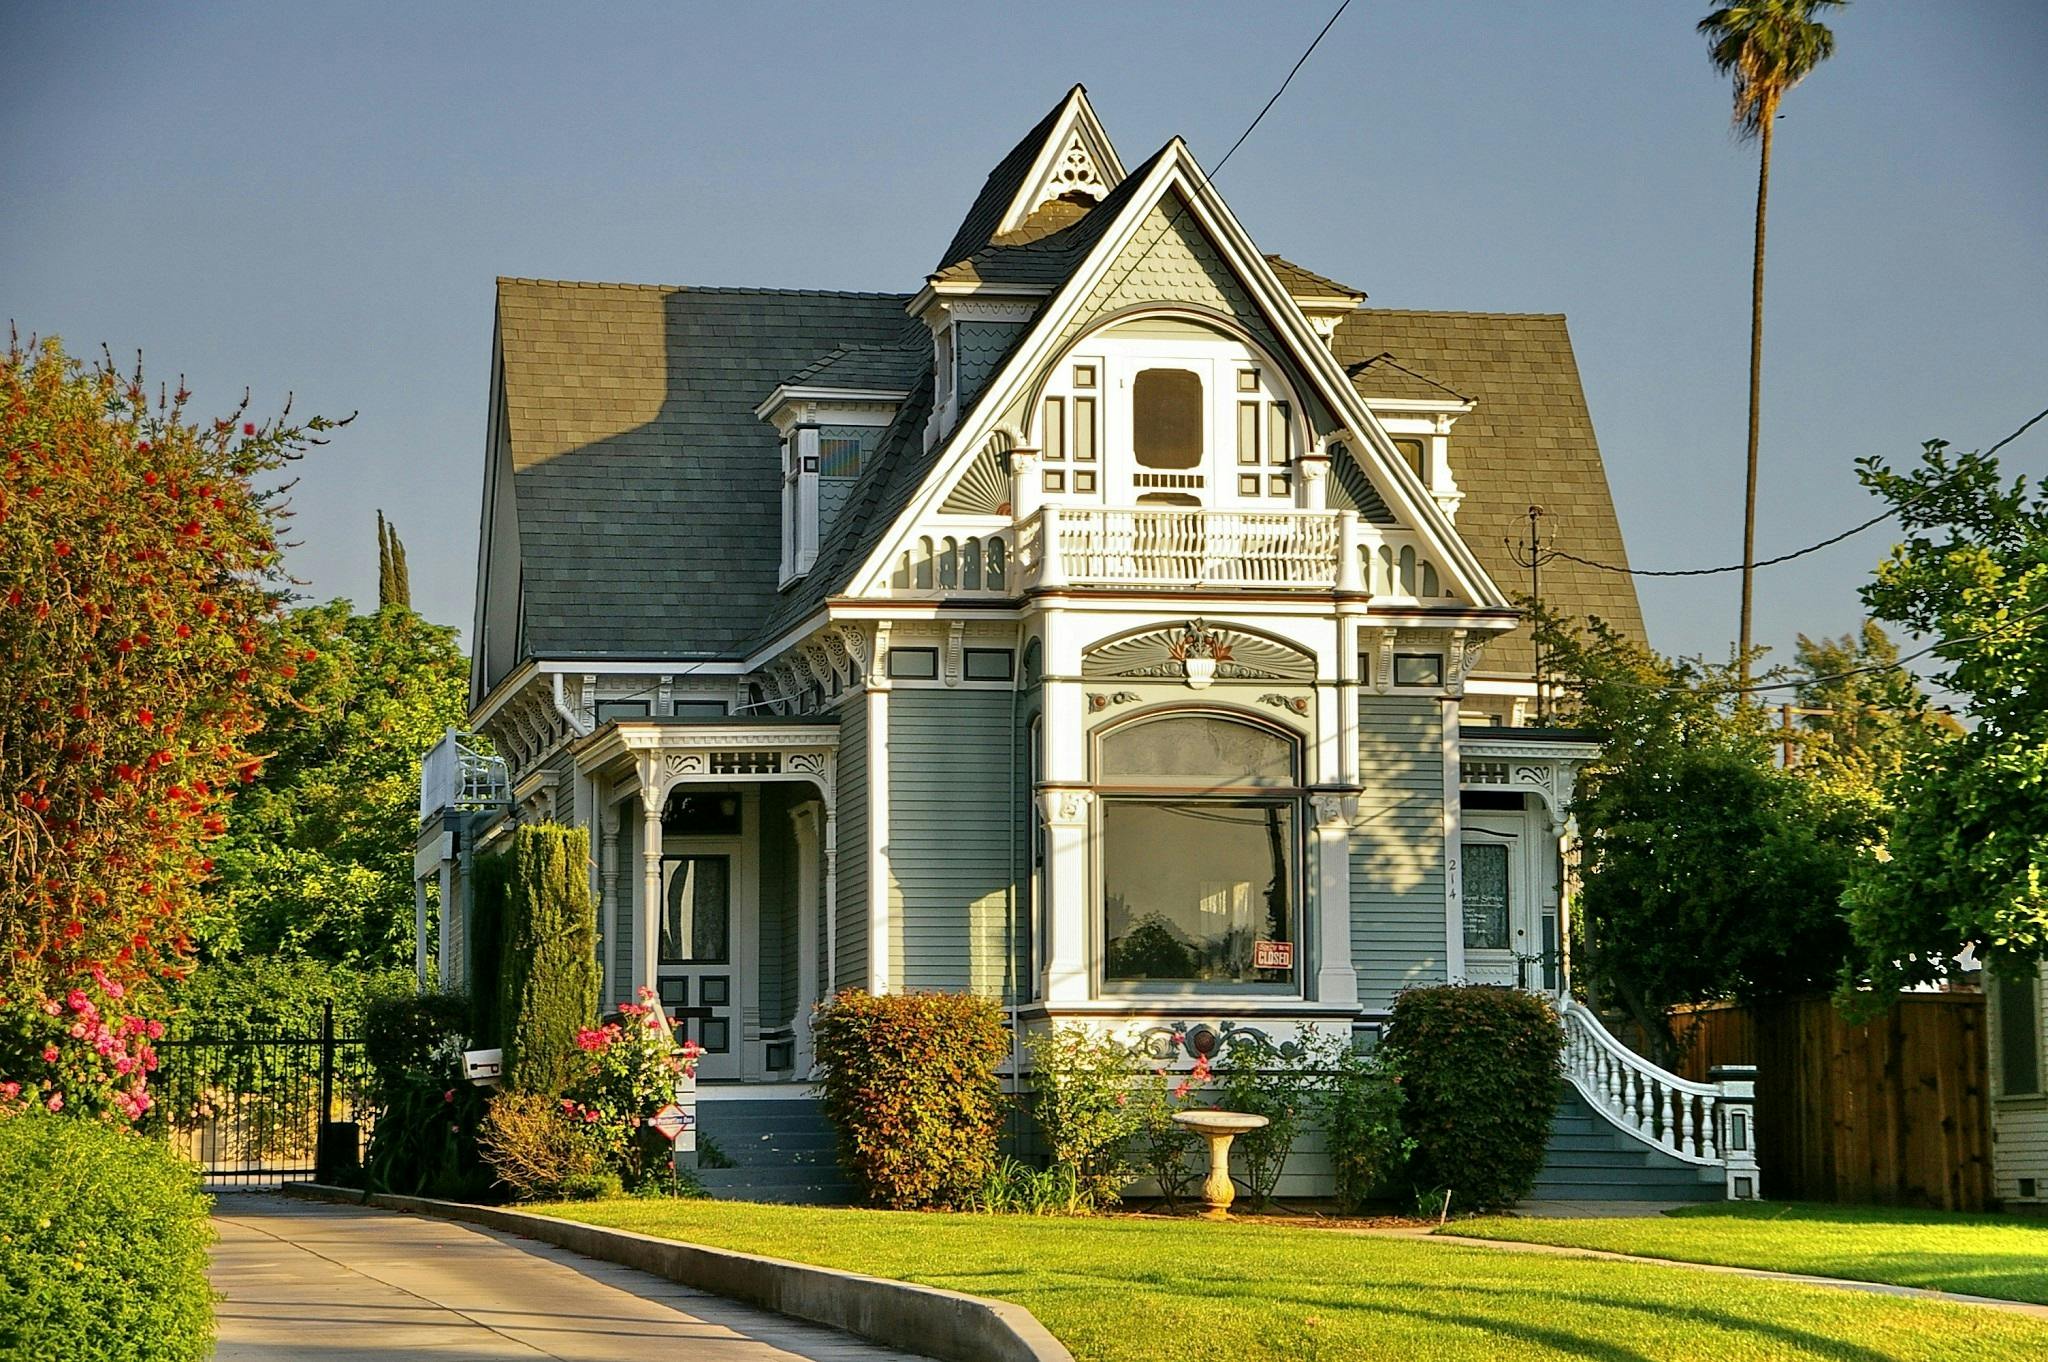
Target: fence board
{"x": 1894, "y": 1111}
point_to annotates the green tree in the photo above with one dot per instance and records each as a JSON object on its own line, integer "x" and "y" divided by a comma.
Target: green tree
{"x": 394, "y": 583}
{"x": 1967, "y": 859}
{"x": 548, "y": 967}
{"x": 1766, "y": 47}
{"x": 1865, "y": 715}
{"x": 317, "y": 861}
{"x": 1707, "y": 872}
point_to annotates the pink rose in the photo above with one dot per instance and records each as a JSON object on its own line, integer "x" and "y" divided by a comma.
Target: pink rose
{"x": 78, "y": 1001}
{"x": 448, "y": 1096}
{"x": 56, "y": 1102}
{"x": 49, "y": 1054}
{"x": 53, "y": 1008}
{"x": 9, "y": 1091}
{"x": 156, "y": 1029}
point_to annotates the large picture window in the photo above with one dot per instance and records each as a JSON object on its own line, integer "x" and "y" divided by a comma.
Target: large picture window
{"x": 1200, "y": 838}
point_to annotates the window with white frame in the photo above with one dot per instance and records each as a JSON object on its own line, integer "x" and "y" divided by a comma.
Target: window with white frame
{"x": 1200, "y": 834}
{"x": 1167, "y": 411}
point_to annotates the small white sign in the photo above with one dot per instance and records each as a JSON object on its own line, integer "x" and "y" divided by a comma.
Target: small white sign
{"x": 672, "y": 1121}
{"x": 483, "y": 1066}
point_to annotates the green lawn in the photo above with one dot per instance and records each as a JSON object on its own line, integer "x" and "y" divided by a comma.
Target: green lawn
{"x": 1978, "y": 1255}
{"x": 1132, "y": 1290}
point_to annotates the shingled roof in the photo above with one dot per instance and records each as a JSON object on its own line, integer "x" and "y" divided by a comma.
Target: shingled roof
{"x": 647, "y": 492}
{"x": 1002, "y": 185}
{"x": 1386, "y": 377}
{"x": 1301, "y": 282}
{"x": 1528, "y": 440}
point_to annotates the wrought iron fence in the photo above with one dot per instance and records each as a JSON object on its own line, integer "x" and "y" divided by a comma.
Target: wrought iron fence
{"x": 261, "y": 1109}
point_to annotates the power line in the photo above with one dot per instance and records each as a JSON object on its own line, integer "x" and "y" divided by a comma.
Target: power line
{"x": 1850, "y": 674}
{"x": 1829, "y": 542}
{"x": 1298, "y": 64}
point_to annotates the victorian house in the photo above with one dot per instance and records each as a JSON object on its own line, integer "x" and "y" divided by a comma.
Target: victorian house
{"x": 1118, "y": 621}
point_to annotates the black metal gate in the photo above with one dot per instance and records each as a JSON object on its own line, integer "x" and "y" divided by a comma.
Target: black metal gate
{"x": 258, "y": 1110}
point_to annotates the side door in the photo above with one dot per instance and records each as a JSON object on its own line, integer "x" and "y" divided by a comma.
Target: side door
{"x": 1494, "y": 890}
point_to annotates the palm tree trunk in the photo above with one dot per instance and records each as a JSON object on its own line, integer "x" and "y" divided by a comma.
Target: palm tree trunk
{"x": 1756, "y": 379}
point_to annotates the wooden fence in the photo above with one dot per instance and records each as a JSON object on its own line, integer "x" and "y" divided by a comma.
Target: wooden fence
{"x": 1894, "y": 1111}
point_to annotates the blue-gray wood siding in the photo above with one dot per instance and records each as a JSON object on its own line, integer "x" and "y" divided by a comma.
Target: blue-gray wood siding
{"x": 850, "y": 959}
{"x": 1397, "y": 848}
{"x": 954, "y": 832}
{"x": 777, "y": 925}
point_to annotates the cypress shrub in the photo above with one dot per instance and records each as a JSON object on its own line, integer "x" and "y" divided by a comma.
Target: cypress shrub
{"x": 549, "y": 966}
{"x": 1479, "y": 1067}
{"x": 103, "y": 1237}
{"x": 911, "y": 1087}
{"x": 490, "y": 888}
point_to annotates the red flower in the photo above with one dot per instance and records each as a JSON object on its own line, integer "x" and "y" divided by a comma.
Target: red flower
{"x": 248, "y": 427}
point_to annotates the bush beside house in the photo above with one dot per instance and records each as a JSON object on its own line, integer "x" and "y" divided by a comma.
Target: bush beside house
{"x": 549, "y": 976}
{"x": 912, "y": 1089}
{"x": 1480, "y": 1071}
{"x": 103, "y": 1240}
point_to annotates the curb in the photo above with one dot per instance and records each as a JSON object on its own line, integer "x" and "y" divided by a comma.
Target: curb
{"x": 947, "y": 1325}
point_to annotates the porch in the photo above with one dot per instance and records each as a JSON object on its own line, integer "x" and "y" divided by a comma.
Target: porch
{"x": 715, "y": 879}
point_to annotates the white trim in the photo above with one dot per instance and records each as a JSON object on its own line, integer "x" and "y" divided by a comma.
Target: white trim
{"x": 805, "y": 392}
{"x": 1176, "y": 168}
{"x": 877, "y": 850}
{"x": 1453, "y": 855}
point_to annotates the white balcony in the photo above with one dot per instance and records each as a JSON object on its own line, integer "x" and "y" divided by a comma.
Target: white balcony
{"x": 1175, "y": 550}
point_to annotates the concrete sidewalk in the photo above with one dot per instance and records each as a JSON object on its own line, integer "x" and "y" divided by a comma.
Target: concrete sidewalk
{"x": 326, "y": 1283}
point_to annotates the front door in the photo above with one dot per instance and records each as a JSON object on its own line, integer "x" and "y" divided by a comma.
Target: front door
{"x": 705, "y": 965}
{"x": 1494, "y": 887}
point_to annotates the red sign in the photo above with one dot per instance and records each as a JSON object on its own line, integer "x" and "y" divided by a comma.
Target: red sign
{"x": 672, "y": 1121}
{"x": 1273, "y": 955}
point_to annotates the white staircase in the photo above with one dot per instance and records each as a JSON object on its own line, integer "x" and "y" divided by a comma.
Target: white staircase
{"x": 1709, "y": 1125}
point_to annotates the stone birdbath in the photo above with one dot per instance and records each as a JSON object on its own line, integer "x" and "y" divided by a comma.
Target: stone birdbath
{"x": 1219, "y": 1128}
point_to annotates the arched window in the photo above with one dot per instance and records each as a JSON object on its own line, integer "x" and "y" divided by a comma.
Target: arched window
{"x": 1200, "y": 840}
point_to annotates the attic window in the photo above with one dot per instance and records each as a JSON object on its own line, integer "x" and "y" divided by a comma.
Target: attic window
{"x": 1416, "y": 455}
{"x": 843, "y": 449}
{"x": 1166, "y": 418}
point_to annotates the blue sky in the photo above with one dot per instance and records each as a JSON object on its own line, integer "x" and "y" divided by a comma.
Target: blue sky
{"x": 318, "y": 201}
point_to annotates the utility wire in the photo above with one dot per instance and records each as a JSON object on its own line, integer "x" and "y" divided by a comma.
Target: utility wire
{"x": 1298, "y": 64}
{"x": 1849, "y": 674}
{"x": 1829, "y": 542}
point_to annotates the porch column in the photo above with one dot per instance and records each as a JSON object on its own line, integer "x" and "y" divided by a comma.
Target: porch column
{"x": 804, "y": 819}
{"x": 1066, "y": 887}
{"x": 609, "y": 818}
{"x": 419, "y": 933}
{"x": 1454, "y": 853}
{"x": 829, "y": 983}
{"x": 452, "y": 946}
{"x": 1336, "y": 978}
{"x": 877, "y": 850}
{"x": 650, "y": 889}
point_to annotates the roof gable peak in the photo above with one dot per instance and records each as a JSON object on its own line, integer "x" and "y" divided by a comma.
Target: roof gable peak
{"x": 1066, "y": 158}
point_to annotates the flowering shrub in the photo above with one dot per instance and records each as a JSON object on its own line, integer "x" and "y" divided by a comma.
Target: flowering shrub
{"x": 103, "y": 1236}
{"x": 1281, "y": 1081}
{"x": 1081, "y": 1081}
{"x": 911, "y": 1087}
{"x": 543, "y": 1150}
{"x": 1360, "y": 1108}
{"x": 633, "y": 1067}
{"x": 1479, "y": 1067}
{"x": 140, "y": 584}
{"x": 78, "y": 1053}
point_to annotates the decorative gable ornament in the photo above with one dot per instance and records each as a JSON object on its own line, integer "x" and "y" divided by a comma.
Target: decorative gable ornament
{"x": 1074, "y": 173}
{"x": 1199, "y": 655}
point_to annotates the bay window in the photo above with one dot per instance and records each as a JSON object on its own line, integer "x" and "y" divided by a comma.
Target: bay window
{"x": 1200, "y": 838}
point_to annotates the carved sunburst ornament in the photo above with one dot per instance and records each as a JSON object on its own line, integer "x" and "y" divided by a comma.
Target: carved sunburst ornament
{"x": 1198, "y": 654}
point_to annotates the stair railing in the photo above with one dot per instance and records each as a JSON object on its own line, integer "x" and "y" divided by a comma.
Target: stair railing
{"x": 1708, "y": 1124}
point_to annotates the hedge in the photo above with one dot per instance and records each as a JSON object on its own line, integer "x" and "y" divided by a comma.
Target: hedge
{"x": 428, "y": 1116}
{"x": 911, "y": 1087}
{"x": 1479, "y": 1067}
{"x": 549, "y": 977}
{"x": 103, "y": 1239}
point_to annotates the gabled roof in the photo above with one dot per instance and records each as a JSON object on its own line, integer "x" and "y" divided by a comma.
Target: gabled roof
{"x": 1047, "y": 260}
{"x": 999, "y": 196}
{"x": 1306, "y": 283}
{"x": 1528, "y": 440}
{"x": 648, "y": 494}
{"x": 866, "y": 367}
{"x": 1386, "y": 377}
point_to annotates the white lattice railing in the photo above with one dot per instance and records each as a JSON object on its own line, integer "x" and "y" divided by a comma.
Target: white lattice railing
{"x": 454, "y": 776}
{"x": 1709, "y": 1124}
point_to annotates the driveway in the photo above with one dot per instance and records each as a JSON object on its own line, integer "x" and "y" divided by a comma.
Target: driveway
{"x": 315, "y": 1282}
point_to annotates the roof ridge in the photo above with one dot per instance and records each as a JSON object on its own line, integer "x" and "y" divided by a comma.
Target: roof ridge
{"x": 1457, "y": 312}
{"x": 706, "y": 288}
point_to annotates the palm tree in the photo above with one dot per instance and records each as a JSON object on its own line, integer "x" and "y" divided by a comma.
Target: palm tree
{"x": 1768, "y": 46}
